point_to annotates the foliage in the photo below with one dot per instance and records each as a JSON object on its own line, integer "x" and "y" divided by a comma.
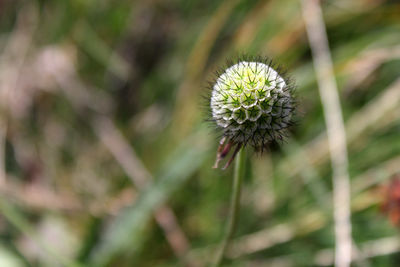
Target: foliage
{"x": 73, "y": 186}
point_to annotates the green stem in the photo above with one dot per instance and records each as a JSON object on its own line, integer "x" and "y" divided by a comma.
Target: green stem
{"x": 234, "y": 207}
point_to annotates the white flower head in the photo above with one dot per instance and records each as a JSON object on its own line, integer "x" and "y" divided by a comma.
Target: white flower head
{"x": 252, "y": 104}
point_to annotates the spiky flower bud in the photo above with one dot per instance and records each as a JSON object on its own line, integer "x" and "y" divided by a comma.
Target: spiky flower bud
{"x": 252, "y": 104}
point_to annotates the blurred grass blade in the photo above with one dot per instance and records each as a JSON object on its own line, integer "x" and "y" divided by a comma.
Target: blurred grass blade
{"x": 18, "y": 221}
{"x": 89, "y": 41}
{"x": 125, "y": 234}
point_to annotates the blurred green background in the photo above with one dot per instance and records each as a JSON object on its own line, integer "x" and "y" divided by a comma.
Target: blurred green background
{"x": 105, "y": 158}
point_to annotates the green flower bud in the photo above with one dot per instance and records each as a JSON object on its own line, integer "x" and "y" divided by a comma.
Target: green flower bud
{"x": 252, "y": 104}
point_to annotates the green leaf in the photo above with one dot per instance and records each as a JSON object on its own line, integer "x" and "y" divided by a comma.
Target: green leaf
{"x": 125, "y": 234}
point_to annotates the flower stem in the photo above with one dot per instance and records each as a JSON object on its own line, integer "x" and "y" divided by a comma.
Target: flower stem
{"x": 234, "y": 207}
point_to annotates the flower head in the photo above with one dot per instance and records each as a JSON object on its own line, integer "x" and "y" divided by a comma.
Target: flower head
{"x": 252, "y": 104}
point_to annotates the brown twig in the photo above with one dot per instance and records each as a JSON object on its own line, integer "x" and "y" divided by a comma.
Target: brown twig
{"x": 141, "y": 178}
{"x": 124, "y": 154}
